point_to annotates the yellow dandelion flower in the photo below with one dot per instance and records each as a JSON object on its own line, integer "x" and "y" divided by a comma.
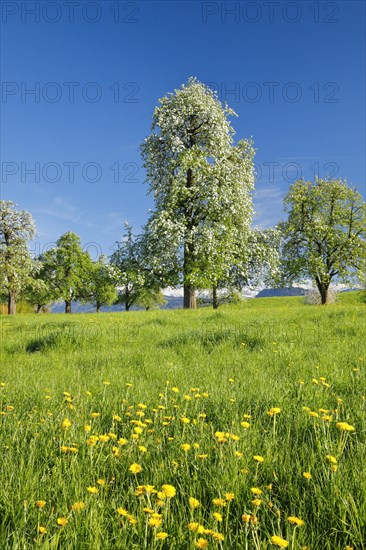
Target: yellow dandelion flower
{"x": 194, "y": 503}
{"x": 245, "y": 518}
{"x": 162, "y": 535}
{"x": 277, "y": 541}
{"x": 229, "y": 496}
{"x": 93, "y": 490}
{"x": 168, "y": 491}
{"x": 201, "y": 543}
{"x": 62, "y": 521}
{"x": 332, "y": 459}
{"x": 131, "y": 520}
{"x": 295, "y": 520}
{"x": 256, "y": 502}
{"x": 219, "y": 502}
{"x": 42, "y": 530}
{"x": 185, "y": 447}
{"x": 101, "y": 481}
{"x": 245, "y": 424}
{"x": 218, "y": 536}
{"x": 40, "y": 503}
{"x": 122, "y": 512}
{"x": 258, "y": 458}
{"x": 256, "y": 491}
{"x": 307, "y": 475}
{"x": 135, "y": 468}
{"x": 154, "y": 522}
{"x": 274, "y": 411}
{"x": 193, "y": 526}
{"x": 344, "y": 427}
{"x": 116, "y": 452}
{"x": 78, "y": 506}
{"x": 217, "y": 516}
{"x": 65, "y": 424}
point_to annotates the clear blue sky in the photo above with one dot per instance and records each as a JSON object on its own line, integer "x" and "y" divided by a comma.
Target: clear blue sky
{"x": 293, "y": 71}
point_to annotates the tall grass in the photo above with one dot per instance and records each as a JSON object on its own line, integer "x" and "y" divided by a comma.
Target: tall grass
{"x": 191, "y": 397}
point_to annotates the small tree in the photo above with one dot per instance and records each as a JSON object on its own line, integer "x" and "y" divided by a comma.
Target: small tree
{"x": 150, "y": 298}
{"x": 70, "y": 269}
{"x": 325, "y": 234}
{"x": 16, "y": 228}
{"x": 40, "y": 291}
{"x": 101, "y": 289}
{"x": 256, "y": 261}
{"x": 126, "y": 261}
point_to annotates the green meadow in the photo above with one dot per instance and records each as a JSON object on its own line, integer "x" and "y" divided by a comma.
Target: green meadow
{"x": 185, "y": 429}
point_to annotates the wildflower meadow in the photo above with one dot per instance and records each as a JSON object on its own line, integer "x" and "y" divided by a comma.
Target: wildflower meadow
{"x": 242, "y": 428}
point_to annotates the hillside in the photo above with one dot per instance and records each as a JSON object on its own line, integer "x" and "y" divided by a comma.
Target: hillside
{"x": 238, "y": 409}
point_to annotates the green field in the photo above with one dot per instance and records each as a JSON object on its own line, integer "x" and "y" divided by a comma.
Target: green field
{"x": 191, "y": 397}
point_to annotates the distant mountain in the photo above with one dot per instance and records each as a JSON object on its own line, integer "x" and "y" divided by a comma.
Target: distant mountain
{"x": 271, "y": 292}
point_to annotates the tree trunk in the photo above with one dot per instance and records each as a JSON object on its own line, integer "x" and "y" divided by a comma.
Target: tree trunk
{"x": 324, "y": 294}
{"x": 38, "y": 308}
{"x": 323, "y": 291}
{"x": 67, "y": 306}
{"x": 11, "y": 303}
{"x": 97, "y": 307}
{"x": 215, "y": 300}
{"x": 189, "y": 301}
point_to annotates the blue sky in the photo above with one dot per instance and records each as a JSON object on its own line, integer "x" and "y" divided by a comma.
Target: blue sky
{"x": 293, "y": 71}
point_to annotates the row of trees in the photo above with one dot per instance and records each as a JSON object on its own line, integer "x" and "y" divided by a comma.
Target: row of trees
{"x": 66, "y": 272}
{"x": 200, "y": 233}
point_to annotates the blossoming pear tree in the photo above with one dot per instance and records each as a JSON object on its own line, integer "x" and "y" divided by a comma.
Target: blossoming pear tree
{"x": 16, "y": 228}
{"x": 202, "y": 186}
{"x": 324, "y": 236}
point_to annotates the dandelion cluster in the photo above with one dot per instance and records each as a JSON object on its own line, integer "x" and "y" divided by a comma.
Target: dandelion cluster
{"x": 177, "y": 471}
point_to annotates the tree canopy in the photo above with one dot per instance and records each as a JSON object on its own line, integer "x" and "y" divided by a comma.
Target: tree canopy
{"x": 70, "y": 269}
{"x": 16, "y": 228}
{"x": 325, "y": 233}
{"x": 202, "y": 186}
